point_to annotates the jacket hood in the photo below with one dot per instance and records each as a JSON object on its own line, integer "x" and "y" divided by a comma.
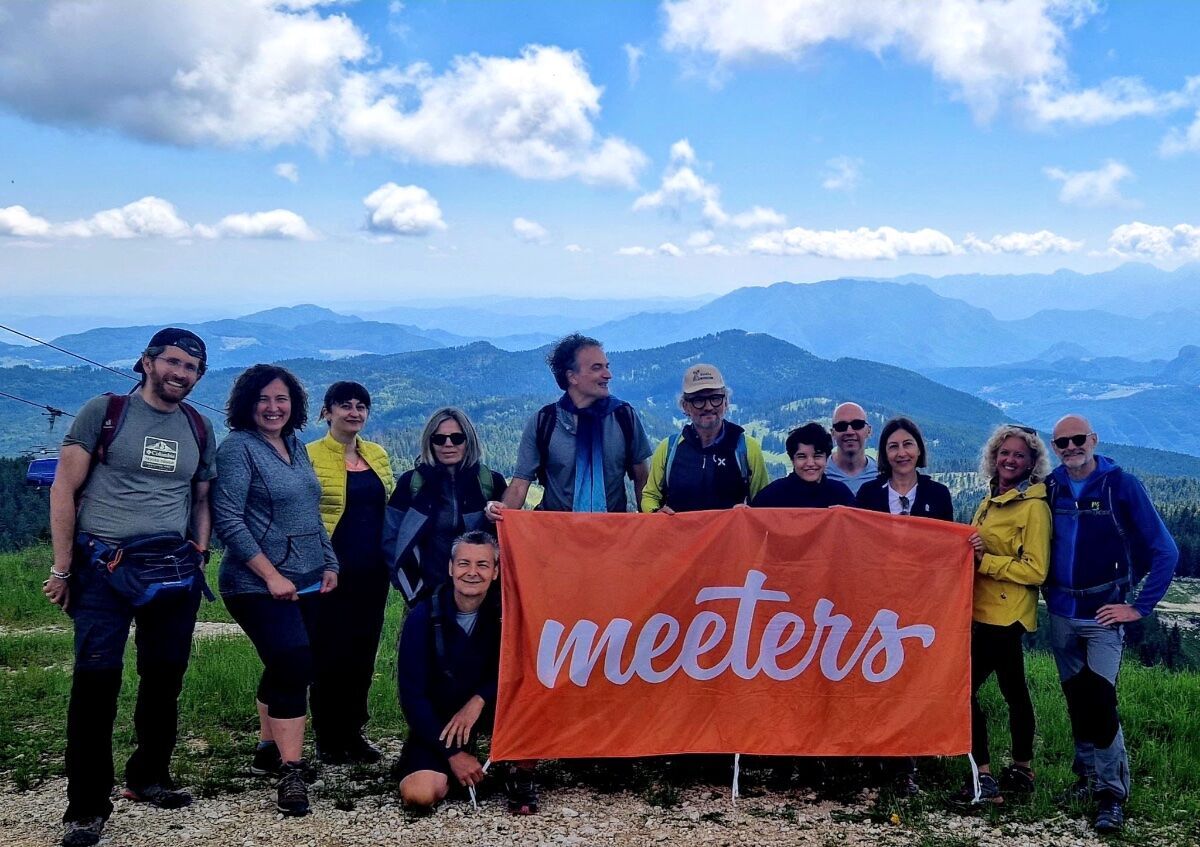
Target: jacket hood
{"x": 1104, "y": 466}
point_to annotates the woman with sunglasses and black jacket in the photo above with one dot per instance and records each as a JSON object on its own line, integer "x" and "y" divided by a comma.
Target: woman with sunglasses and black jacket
{"x": 437, "y": 501}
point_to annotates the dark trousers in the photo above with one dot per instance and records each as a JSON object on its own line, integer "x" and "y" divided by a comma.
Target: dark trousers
{"x": 998, "y": 650}
{"x": 164, "y": 642}
{"x": 280, "y": 631}
{"x": 345, "y": 640}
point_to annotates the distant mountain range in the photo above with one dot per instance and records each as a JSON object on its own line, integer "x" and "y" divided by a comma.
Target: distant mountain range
{"x": 776, "y": 386}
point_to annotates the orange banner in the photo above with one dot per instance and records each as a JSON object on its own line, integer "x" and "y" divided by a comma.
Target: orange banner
{"x": 766, "y": 631}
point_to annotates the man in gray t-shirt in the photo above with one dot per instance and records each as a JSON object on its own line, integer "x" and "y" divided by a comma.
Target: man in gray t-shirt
{"x": 130, "y": 466}
{"x": 582, "y": 447}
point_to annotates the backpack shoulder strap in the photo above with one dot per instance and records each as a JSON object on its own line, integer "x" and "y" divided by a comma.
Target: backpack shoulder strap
{"x": 415, "y": 483}
{"x": 486, "y": 484}
{"x": 624, "y": 416}
{"x": 672, "y": 446}
{"x": 199, "y": 431}
{"x": 547, "y": 418}
{"x": 114, "y": 419}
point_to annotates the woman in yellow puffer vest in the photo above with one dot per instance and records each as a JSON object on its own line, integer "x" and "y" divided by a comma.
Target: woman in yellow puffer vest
{"x": 1012, "y": 558}
{"x": 356, "y": 481}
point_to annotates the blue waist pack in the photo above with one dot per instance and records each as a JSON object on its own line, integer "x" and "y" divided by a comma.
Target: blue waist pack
{"x": 147, "y": 567}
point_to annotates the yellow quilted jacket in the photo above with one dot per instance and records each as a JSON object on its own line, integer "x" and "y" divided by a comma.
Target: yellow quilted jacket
{"x": 1015, "y": 528}
{"x": 328, "y": 458}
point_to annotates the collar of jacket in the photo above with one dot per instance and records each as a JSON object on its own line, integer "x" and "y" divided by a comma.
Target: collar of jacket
{"x": 334, "y": 446}
{"x": 1034, "y": 491}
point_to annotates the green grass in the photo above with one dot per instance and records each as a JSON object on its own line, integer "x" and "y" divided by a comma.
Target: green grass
{"x": 218, "y": 727}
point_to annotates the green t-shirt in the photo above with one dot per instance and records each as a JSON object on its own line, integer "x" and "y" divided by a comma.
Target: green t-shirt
{"x": 145, "y": 487}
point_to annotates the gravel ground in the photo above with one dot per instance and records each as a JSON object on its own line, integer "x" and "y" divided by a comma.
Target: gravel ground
{"x": 568, "y": 817}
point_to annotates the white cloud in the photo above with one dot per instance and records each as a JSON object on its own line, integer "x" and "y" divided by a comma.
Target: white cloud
{"x": 985, "y": 51}
{"x": 1114, "y": 100}
{"x": 288, "y": 171}
{"x": 531, "y": 115}
{"x": 16, "y": 221}
{"x": 529, "y": 231}
{"x": 842, "y": 173}
{"x": 681, "y": 186}
{"x": 1178, "y": 141}
{"x": 862, "y": 243}
{"x": 154, "y": 217}
{"x": 576, "y": 248}
{"x": 403, "y": 210}
{"x": 278, "y": 224}
{"x": 1022, "y": 243}
{"x": 702, "y": 238}
{"x": 1097, "y": 188}
{"x": 715, "y": 250}
{"x": 1146, "y": 241}
{"x": 192, "y": 72}
{"x": 664, "y": 249}
{"x": 150, "y": 217}
{"x": 633, "y": 59}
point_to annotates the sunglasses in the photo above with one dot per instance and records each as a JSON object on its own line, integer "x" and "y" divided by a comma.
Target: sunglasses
{"x": 856, "y": 425}
{"x": 714, "y": 400}
{"x": 1078, "y": 440}
{"x": 1028, "y": 430}
{"x": 439, "y": 439}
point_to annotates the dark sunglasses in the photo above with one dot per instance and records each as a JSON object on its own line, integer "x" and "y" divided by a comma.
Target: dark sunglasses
{"x": 714, "y": 400}
{"x": 1028, "y": 430}
{"x": 440, "y": 438}
{"x": 1078, "y": 440}
{"x": 856, "y": 425}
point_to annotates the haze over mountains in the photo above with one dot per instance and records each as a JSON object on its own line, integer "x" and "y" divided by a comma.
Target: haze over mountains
{"x": 1135, "y": 376}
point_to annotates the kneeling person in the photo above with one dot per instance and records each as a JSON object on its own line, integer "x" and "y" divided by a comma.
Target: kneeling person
{"x": 448, "y": 662}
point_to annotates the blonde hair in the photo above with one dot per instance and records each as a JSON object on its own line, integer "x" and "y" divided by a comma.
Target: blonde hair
{"x": 472, "y": 452}
{"x": 1039, "y": 468}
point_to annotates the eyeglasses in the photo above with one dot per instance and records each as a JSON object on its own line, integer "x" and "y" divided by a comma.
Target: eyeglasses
{"x": 179, "y": 364}
{"x": 856, "y": 425}
{"x": 1078, "y": 440}
{"x": 714, "y": 400}
{"x": 905, "y": 504}
{"x": 440, "y": 438}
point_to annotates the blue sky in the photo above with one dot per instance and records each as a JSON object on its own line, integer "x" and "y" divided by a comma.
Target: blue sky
{"x": 243, "y": 153}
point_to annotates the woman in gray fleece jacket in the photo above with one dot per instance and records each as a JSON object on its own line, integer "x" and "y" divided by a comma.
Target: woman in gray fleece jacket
{"x": 277, "y": 560}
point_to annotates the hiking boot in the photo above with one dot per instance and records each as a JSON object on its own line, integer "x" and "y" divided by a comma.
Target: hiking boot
{"x": 1017, "y": 779}
{"x": 1079, "y": 793}
{"x": 158, "y": 795}
{"x": 1110, "y": 815}
{"x": 522, "y": 793}
{"x": 292, "y": 792}
{"x": 360, "y": 750}
{"x": 989, "y": 792}
{"x": 905, "y": 785}
{"x": 267, "y": 761}
{"x": 332, "y": 754}
{"x": 83, "y": 832}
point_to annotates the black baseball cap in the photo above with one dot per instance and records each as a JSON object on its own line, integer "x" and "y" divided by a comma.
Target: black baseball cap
{"x": 173, "y": 336}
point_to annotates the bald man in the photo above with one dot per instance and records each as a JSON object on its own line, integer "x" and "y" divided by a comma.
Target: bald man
{"x": 1108, "y": 538}
{"x": 850, "y": 464}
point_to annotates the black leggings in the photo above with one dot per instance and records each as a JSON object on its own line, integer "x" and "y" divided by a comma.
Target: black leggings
{"x": 998, "y": 649}
{"x": 279, "y": 631}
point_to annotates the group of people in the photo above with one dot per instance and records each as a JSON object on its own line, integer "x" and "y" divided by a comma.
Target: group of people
{"x": 313, "y": 533}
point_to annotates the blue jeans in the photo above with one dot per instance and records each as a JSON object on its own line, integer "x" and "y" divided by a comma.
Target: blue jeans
{"x": 164, "y": 642}
{"x": 1088, "y": 656}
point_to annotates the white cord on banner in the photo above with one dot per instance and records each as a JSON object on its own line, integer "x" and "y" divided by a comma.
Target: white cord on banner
{"x": 974, "y": 777}
{"x": 471, "y": 788}
{"x": 737, "y": 769}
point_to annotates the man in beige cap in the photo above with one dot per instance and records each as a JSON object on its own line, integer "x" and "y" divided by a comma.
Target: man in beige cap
{"x": 712, "y": 463}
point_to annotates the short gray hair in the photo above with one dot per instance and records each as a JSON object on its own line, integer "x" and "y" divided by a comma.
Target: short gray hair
{"x": 477, "y": 537}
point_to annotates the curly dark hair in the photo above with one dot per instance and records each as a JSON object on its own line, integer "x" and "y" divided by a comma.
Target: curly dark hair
{"x": 890, "y": 428}
{"x": 812, "y": 434}
{"x": 562, "y": 356}
{"x": 243, "y": 396}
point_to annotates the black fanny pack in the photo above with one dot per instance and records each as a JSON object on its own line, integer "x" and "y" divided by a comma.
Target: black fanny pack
{"x": 147, "y": 567}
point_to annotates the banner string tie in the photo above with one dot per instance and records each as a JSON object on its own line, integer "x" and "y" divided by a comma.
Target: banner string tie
{"x": 471, "y": 788}
{"x": 974, "y": 777}
{"x": 737, "y": 768}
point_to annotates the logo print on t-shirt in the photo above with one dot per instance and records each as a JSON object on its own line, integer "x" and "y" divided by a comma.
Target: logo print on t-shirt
{"x": 160, "y": 454}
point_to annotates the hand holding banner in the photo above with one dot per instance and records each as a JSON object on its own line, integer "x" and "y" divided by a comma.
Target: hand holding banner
{"x": 773, "y": 631}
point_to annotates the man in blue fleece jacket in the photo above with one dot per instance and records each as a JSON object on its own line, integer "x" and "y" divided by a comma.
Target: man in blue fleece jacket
{"x": 1107, "y": 539}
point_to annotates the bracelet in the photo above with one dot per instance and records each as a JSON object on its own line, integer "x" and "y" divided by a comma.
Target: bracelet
{"x": 58, "y": 575}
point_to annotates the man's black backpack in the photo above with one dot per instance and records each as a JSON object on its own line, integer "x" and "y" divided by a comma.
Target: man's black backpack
{"x": 547, "y": 419}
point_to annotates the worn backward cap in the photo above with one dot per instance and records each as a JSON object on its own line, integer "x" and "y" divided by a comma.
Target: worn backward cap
{"x": 173, "y": 336}
{"x": 701, "y": 378}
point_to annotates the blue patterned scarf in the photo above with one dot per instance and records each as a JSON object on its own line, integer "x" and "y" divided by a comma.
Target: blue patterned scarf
{"x": 590, "y": 494}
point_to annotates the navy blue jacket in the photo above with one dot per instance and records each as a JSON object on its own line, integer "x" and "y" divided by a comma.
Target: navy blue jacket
{"x": 433, "y": 687}
{"x": 932, "y": 501}
{"x": 1105, "y": 541}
